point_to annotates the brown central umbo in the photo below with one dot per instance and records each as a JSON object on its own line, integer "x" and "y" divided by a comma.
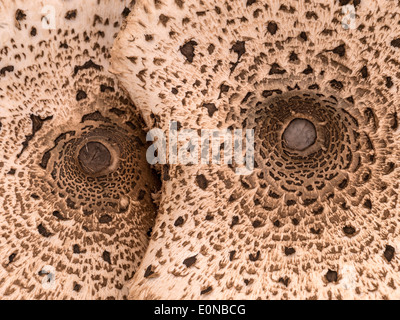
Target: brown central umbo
{"x": 94, "y": 157}
{"x": 300, "y": 134}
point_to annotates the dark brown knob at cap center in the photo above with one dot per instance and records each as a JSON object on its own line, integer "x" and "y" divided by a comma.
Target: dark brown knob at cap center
{"x": 94, "y": 157}
{"x": 300, "y": 134}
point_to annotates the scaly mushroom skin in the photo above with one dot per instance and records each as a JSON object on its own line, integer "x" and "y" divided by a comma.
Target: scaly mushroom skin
{"x": 75, "y": 187}
{"x": 322, "y": 222}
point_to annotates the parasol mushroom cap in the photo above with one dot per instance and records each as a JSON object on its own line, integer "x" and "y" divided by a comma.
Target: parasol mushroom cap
{"x": 75, "y": 188}
{"x": 320, "y": 222}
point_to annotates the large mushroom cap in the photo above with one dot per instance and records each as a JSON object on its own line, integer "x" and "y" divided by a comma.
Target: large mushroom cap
{"x": 75, "y": 187}
{"x": 313, "y": 220}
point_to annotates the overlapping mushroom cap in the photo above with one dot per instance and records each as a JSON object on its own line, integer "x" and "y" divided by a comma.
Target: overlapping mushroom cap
{"x": 319, "y": 215}
{"x": 75, "y": 187}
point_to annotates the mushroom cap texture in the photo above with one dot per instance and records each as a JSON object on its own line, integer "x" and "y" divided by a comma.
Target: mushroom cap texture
{"x": 66, "y": 234}
{"x": 321, "y": 223}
